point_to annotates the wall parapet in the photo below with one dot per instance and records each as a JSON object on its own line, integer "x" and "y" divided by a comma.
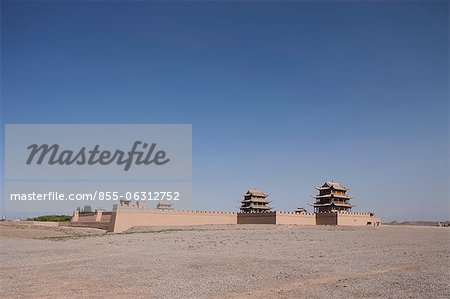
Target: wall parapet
{"x": 347, "y": 213}
{"x": 295, "y": 213}
{"x": 125, "y": 217}
{"x": 172, "y": 212}
{"x": 277, "y": 217}
{"x": 355, "y": 213}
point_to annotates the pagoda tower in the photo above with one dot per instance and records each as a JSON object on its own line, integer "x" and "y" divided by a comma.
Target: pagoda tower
{"x": 164, "y": 205}
{"x": 332, "y": 197}
{"x": 255, "y": 201}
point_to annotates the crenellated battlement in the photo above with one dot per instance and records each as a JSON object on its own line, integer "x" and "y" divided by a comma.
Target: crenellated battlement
{"x": 295, "y": 213}
{"x": 355, "y": 213}
{"x": 133, "y": 209}
{"x": 347, "y": 213}
{"x": 259, "y": 212}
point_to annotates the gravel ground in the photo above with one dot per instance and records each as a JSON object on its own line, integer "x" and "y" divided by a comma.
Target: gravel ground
{"x": 234, "y": 261}
{"x": 28, "y": 231}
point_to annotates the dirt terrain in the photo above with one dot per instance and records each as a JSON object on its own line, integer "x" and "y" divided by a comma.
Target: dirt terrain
{"x": 234, "y": 261}
{"x": 51, "y": 230}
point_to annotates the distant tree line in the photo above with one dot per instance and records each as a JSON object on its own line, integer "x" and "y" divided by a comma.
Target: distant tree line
{"x": 57, "y": 218}
{"x": 60, "y": 218}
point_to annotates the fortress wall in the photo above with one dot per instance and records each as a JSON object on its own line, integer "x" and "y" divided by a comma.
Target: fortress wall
{"x": 295, "y": 218}
{"x": 347, "y": 218}
{"x": 355, "y": 218}
{"x": 106, "y": 218}
{"x": 124, "y": 219}
{"x": 98, "y": 216}
{"x": 112, "y": 222}
{"x": 86, "y": 218}
{"x": 257, "y": 218}
{"x": 94, "y": 220}
{"x": 328, "y": 218}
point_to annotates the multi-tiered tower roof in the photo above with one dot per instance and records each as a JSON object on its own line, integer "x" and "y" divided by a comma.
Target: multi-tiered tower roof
{"x": 164, "y": 205}
{"x": 332, "y": 197}
{"x": 255, "y": 201}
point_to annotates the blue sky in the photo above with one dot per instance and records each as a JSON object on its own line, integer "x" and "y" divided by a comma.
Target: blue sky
{"x": 281, "y": 95}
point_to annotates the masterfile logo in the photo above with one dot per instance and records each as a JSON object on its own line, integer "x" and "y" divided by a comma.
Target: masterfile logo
{"x": 148, "y": 155}
{"x": 142, "y": 152}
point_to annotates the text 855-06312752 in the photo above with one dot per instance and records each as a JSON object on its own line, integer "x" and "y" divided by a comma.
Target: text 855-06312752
{"x": 96, "y": 195}
{"x": 141, "y": 195}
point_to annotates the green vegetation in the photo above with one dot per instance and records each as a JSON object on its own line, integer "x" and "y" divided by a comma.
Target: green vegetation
{"x": 58, "y": 218}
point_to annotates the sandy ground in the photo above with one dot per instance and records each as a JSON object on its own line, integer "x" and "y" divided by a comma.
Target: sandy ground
{"x": 28, "y": 231}
{"x": 235, "y": 261}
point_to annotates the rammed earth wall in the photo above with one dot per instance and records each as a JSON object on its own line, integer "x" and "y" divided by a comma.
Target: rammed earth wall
{"x": 123, "y": 218}
{"x": 256, "y": 218}
{"x": 276, "y": 218}
{"x": 296, "y": 218}
{"x": 347, "y": 218}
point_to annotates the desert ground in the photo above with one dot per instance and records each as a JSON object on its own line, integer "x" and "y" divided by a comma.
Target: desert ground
{"x": 232, "y": 261}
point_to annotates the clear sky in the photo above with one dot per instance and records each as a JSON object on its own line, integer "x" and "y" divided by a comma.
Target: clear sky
{"x": 281, "y": 95}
